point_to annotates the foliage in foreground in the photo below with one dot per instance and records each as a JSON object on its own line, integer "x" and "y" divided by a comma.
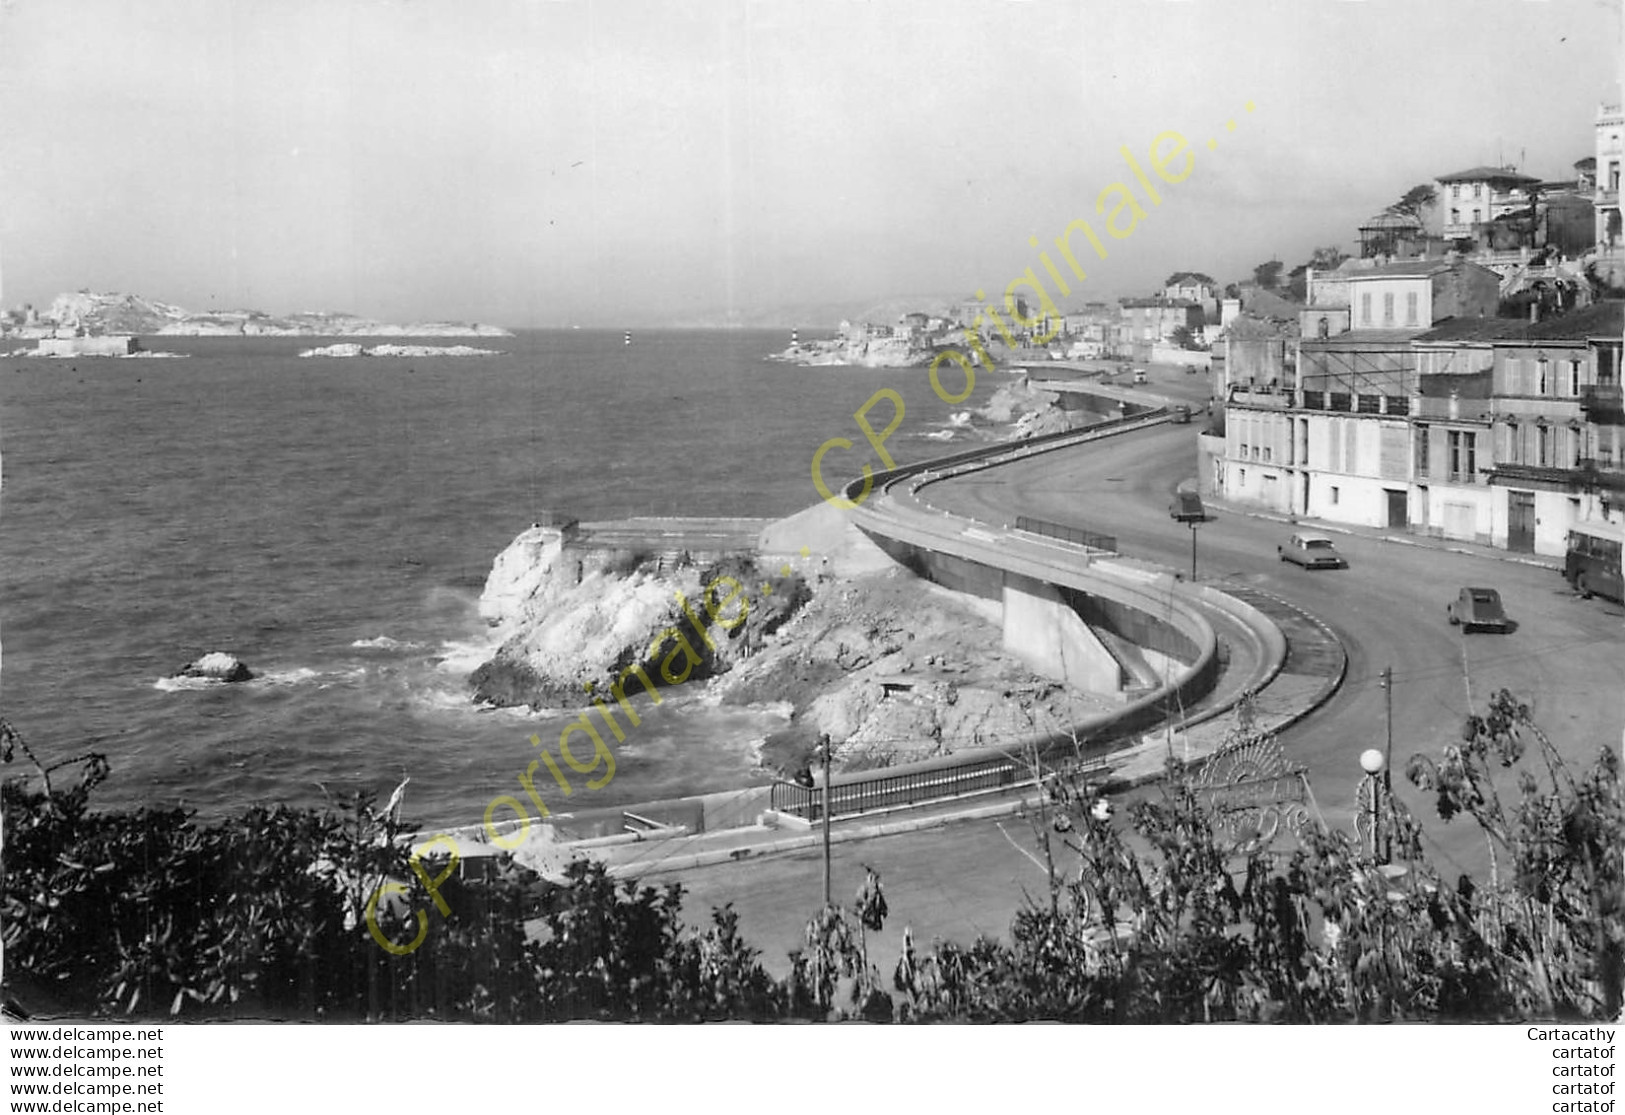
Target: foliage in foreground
{"x": 147, "y": 913}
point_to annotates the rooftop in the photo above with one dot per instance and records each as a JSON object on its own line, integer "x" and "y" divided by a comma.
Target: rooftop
{"x": 1415, "y": 268}
{"x": 1389, "y": 219}
{"x": 1265, "y": 303}
{"x": 1173, "y": 303}
{"x": 1601, "y": 319}
{"x": 1486, "y": 174}
{"x": 1377, "y": 338}
{"x": 1460, "y": 329}
{"x": 1250, "y": 327}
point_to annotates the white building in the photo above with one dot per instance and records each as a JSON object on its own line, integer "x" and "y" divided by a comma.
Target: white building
{"x": 1610, "y": 155}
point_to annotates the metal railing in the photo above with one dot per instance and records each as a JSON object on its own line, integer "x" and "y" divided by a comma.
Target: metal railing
{"x": 1076, "y": 535}
{"x": 951, "y": 776}
{"x": 887, "y": 789}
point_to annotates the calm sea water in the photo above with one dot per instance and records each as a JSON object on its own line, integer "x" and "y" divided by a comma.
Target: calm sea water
{"x": 331, "y": 522}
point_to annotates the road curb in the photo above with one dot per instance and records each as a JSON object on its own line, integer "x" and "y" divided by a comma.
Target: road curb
{"x": 1393, "y": 539}
{"x": 1314, "y": 703}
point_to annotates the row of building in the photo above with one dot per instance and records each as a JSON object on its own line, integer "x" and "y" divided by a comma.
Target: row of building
{"x": 1404, "y": 402}
{"x": 1183, "y": 314}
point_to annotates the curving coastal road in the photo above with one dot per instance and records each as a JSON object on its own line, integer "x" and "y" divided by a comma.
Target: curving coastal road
{"x": 1387, "y": 608}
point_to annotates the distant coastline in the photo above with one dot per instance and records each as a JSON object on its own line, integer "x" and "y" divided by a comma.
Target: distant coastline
{"x": 89, "y": 314}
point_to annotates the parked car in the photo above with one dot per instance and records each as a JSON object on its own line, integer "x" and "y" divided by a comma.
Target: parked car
{"x": 1478, "y": 607}
{"x": 1187, "y": 508}
{"x": 1312, "y": 551}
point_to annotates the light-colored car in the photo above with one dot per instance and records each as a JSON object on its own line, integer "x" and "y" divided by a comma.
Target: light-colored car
{"x": 1478, "y": 608}
{"x": 1312, "y": 551}
{"x": 1139, "y": 375}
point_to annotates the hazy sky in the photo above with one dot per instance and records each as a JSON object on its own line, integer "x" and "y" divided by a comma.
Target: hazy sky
{"x": 535, "y": 162}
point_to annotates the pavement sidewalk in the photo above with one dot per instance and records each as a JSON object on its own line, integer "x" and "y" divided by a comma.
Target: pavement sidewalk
{"x": 1384, "y": 534}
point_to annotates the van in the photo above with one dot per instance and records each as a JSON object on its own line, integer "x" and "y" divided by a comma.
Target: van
{"x": 1592, "y": 561}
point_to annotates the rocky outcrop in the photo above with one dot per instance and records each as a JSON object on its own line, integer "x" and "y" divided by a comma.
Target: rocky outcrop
{"x": 891, "y": 667}
{"x": 216, "y": 666}
{"x": 860, "y": 352}
{"x": 572, "y": 620}
{"x": 1033, "y": 410}
{"x": 895, "y": 669}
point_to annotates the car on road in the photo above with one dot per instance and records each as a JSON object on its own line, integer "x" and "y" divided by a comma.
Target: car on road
{"x": 1312, "y": 551}
{"x": 1592, "y": 561}
{"x": 1139, "y": 375}
{"x": 1179, "y": 414}
{"x": 1478, "y": 608}
{"x": 1187, "y": 508}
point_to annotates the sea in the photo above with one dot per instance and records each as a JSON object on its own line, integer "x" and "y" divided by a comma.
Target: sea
{"x": 331, "y": 522}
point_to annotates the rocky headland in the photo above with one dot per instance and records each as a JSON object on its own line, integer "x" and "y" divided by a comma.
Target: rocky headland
{"x": 857, "y": 352}
{"x": 847, "y": 643}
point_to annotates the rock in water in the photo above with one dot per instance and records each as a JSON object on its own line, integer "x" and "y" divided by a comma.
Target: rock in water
{"x": 217, "y": 665}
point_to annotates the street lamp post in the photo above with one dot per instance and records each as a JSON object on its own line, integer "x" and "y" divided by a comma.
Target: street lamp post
{"x": 1376, "y": 771}
{"x": 1192, "y": 525}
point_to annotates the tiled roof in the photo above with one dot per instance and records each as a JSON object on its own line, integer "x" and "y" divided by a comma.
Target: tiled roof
{"x": 1486, "y": 174}
{"x": 1474, "y": 329}
{"x": 1602, "y": 319}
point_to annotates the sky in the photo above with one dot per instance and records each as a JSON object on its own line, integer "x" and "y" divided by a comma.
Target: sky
{"x": 627, "y": 163}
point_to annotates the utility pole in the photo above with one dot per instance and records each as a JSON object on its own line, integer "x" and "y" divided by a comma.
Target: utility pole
{"x": 823, "y": 746}
{"x": 1193, "y": 552}
{"x": 1388, "y": 761}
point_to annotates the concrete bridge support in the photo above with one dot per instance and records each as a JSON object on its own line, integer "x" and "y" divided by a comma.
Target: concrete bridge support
{"x": 1043, "y": 629}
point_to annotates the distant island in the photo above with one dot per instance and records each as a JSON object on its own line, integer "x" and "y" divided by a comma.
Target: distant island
{"x": 350, "y": 348}
{"x": 89, "y": 314}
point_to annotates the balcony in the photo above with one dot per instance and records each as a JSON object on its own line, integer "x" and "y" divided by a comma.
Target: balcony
{"x": 1588, "y": 474}
{"x": 1602, "y": 403}
{"x": 1571, "y": 479}
{"x": 1264, "y": 397}
{"x": 1448, "y": 409}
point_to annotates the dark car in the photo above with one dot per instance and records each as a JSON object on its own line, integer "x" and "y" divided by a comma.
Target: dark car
{"x": 1478, "y": 608}
{"x": 1179, "y": 414}
{"x": 1187, "y": 508}
{"x": 1312, "y": 551}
